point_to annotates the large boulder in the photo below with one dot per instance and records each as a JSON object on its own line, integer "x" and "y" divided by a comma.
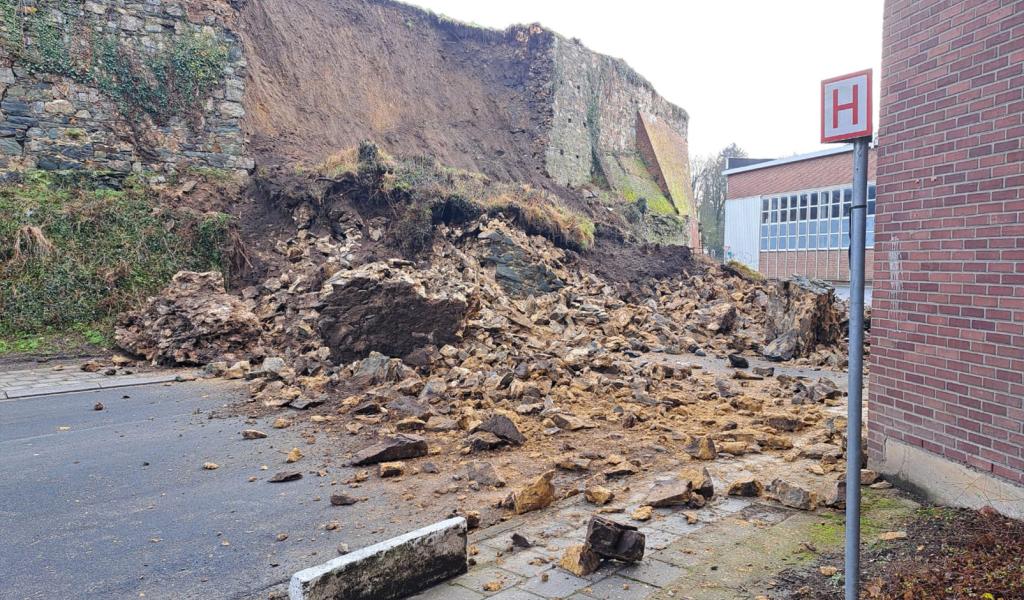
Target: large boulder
{"x": 389, "y": 309}
{"x": 518, "y": 273}
{"x": 193, "y": 321}
{"x": 802, "y": 314}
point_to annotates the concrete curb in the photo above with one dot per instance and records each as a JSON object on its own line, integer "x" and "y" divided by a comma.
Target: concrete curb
{"x": 393, "y": 569}
{"x": 85, "y": 386}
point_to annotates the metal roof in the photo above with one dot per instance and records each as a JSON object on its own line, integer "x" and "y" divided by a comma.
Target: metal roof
{"x": 791, "y": 159}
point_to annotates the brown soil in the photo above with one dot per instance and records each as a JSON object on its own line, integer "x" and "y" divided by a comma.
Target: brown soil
{"x": 624, "y": 263}
{"x": 948, "y": 554}
{"x": 327, "y": 74}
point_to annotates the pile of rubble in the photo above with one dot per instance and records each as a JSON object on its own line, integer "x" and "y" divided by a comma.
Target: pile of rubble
{"x": 193, "y": 322}
{"x": 486, "y": 287}
{"x": 501, "y": 340}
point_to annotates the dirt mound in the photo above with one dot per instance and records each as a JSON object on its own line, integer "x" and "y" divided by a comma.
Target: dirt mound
{"x": 327, "y": 74}
{"x": 630, "y": 264}
{"x": 491, "y": 340}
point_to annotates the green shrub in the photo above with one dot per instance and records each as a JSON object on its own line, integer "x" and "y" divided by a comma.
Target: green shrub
{"x": 74, "y": 256}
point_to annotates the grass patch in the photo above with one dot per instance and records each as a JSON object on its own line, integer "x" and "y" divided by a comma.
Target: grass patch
{"x": 879, "y": 513}
{"x": 73, "y": 255}
{"x": 77, "y": 339}
{"x": 628, "y": 175}
{"x": 744, "y": 271}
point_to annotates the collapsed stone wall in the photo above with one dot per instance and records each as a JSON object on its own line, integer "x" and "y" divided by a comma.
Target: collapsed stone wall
{"x": 328, "y": 74}
{"x": 108, "y": 85}
{"x": 91, "y": 85}
{"x": 521, "y": 104}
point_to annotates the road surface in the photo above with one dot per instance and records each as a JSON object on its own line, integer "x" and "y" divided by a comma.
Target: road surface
{"x": 118, "y": 505}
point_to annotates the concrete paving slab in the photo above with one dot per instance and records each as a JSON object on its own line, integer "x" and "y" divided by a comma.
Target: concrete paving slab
{"x": 652, "y": 571}
{"x": 447, "y": 591}
{"x": 557, "y": 584}
{"x": 619, "y": 588}
{"x": 516, "y": 594}
{"x": 527, "y": 562}
{"x": 476, "y": 579}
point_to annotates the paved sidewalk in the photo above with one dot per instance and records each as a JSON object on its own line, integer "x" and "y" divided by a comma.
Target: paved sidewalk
{"x": 69, "y": 377}
{"x": 673, "y": 546}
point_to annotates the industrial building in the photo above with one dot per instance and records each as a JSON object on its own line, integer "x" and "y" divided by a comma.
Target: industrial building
{"x": 791, "y": 216}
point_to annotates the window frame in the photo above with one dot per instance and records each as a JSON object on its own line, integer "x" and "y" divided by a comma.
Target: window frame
{"x": 832, "y": 219}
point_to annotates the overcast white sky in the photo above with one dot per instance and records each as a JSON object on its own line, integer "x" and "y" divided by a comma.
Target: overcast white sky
{"x": 747, "y": 71}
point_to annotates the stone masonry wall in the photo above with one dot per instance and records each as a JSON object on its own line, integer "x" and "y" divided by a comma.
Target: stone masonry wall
{"x": 597, "y": 100}
{"x": 69, "y": 119}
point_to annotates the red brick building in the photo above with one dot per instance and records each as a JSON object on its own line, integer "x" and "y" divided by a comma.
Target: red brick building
{"x": 791, "y": 216}
{"x": 946, "y": 386}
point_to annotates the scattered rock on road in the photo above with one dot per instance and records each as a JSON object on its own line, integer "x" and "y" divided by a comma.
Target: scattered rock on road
{"x": 747, "y": 488}
{"x": 738, "y": 361}
{"x": 343, "y": 499}
{"x": 792, "y": 495}
{"x": 397, "y": 447}
{"x": 643, "y": 513}
{"x": 702, "y": 448}
{"x": 674, "y": 492}
{"x": 580, "y": 560}
{"x": 700, "y": 481}
{"x": 284, "y": 476}
{"x": 392, "y": 469}
{"x": 618, "y": 541}
{"x": 537, "y": 495}
{"x": 503, "y": 427}
{"x": 598, "y": 495}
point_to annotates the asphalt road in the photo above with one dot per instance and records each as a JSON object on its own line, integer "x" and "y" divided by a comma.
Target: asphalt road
{"x": 119, "y": 506}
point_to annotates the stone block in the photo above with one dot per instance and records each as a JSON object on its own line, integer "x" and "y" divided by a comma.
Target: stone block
{"x": 10, "y": 147}
{"x": 615, "y": 540}
{"x": 395, "y": 568}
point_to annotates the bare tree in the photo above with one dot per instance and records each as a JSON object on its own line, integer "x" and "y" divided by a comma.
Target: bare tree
{"x": 709, "y": 192}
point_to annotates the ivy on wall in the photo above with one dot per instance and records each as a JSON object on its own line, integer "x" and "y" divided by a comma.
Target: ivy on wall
{"x": 47, "y": 37}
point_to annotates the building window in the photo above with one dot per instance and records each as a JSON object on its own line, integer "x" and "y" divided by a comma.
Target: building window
{"x": 812, "y": 220}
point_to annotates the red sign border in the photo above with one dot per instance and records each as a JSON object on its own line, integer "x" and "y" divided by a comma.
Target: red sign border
{"x": 868, "y": 129}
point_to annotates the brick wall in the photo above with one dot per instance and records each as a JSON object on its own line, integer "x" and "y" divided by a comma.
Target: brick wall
{"x": 824, "y": 171}
{"x": 832, "y": 265}
{"x": 947, "y": 360}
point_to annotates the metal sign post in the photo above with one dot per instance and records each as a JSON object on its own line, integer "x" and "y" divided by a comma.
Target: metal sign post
{"x": 846, "y": 116}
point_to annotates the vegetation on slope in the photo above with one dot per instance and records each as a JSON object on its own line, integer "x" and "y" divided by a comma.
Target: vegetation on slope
{"x": 74, "y": 253}
{"x": 421, "y": 193}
